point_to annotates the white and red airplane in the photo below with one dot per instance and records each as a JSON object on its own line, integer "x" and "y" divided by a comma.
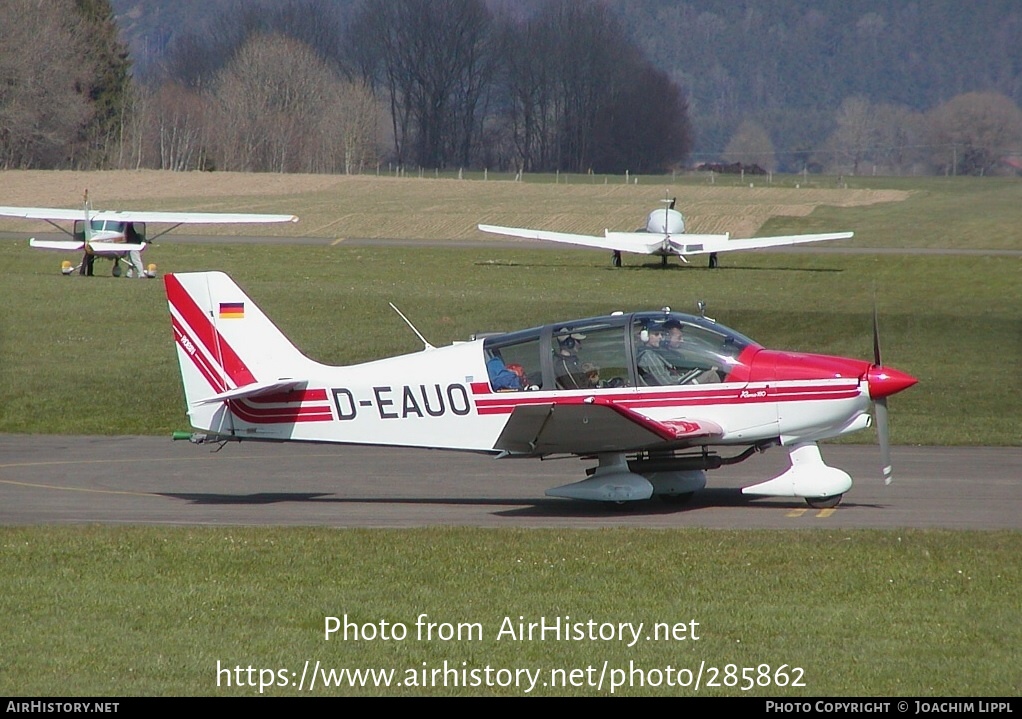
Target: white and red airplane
{"x": 588, "y": 387}
{"x": 664, "y": 234}
{"x": 119, "y": 235}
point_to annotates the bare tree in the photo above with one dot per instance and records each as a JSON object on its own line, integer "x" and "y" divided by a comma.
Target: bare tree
{"x": 43, "y": 69}
{"x": 751, "y": 145}
{"x": 855, "y": 137}
{"x": 177, "y": 121}
{"x": 349, "y": 130}
{"x": 971, "y": 132}
{"x": 527, "y": 91}
{"x": 269, "y": 100}
{"x": 278, "y": 106}
{"x": 431, "y": 57}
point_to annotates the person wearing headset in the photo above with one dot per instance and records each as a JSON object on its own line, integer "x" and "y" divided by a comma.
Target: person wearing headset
{"x": 567, "y": 366}
{"x": 653, "y": 368}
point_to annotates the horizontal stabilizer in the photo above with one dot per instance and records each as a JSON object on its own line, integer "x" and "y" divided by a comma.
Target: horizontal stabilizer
{"x": 256, "y": 389}
{"x": 66, "y": 245}
{"x": 102, "y": 247}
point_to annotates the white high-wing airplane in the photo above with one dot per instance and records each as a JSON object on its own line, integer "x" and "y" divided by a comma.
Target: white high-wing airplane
{"x": 650, "y": 396}
{"x": 119, "y": 235}
{"x": 664, "y": 235}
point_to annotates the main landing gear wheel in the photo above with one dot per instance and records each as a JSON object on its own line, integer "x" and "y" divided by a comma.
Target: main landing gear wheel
{"x": 824, "y": 502}
{"x": 616, "y": 259}
{"x": 713, "y": 260}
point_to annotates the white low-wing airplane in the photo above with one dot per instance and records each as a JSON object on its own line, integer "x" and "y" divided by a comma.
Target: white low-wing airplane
{"x": 664, "y": 235}
{"x": 119, "y": 235}
{"x": 650, "y": 396}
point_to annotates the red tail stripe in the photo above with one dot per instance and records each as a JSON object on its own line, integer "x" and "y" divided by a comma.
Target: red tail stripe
{"x": 205, "y": 333}
{"x": 202, "y": 364}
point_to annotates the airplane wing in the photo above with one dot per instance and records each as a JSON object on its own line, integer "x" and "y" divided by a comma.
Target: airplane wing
{"x": 188, "y": 218}
{"x": 649, "y": 243}
{"x": 556, "y": 428}
{"x": 42, "y": 213}
{"x": 66, "y": 245}
{"x": 181, "y": 218}
{"x": 703, "y": 244}
{"x": 641, "y": 242}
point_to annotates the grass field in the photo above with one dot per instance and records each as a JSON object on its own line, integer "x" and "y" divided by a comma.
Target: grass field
{"x": 145, "y": 611}
{"x": 132, "y": 611}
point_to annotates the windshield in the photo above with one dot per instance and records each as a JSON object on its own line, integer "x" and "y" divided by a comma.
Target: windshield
{"x": 674, "y": 348}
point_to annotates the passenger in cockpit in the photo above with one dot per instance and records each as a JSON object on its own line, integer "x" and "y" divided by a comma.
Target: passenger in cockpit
{"x": 502, "y": 379}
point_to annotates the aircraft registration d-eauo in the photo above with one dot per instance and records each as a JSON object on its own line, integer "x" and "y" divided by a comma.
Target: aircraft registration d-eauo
{"x": 646, "y": 394}
{"x": 664, "y": 235}
{"x": 119, "y": 235}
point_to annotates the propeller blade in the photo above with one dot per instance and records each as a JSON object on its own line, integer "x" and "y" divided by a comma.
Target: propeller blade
{"x": 883, "y": 425}
{"x": 876, "y": 338}
{"x": 884, "y": 435}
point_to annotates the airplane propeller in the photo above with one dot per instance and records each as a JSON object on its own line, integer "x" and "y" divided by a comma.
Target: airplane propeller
{"x": 883, "y": 426}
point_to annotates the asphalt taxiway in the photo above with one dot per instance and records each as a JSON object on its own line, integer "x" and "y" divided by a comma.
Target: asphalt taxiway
{"x": 54, "y": 479}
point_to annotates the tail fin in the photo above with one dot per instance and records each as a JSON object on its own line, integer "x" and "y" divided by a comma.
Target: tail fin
{"x": 225, "y": 342}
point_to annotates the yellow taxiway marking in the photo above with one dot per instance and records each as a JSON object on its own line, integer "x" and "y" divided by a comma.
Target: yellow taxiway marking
{"x": 338, "y": 241}
{"x": 822, "y": 514}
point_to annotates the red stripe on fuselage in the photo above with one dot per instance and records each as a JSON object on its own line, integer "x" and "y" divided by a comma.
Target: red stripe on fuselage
{"x": 502, "y": 403}
{"x": 281, "y": 415}
{"x": 298, "y": 395}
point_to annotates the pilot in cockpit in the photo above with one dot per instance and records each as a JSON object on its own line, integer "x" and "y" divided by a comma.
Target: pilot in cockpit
{"x": 688, "y": 366}
{"x": 652, "y": 365}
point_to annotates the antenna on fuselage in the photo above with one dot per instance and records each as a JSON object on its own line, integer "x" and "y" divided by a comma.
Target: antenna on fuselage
{"x": 425, "y": 344}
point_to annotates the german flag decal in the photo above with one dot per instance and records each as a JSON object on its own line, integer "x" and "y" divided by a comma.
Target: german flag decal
{"x": 232, "y": 310}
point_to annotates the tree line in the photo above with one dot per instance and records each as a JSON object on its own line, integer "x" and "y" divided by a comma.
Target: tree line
{"x": 304, "y": 87}
{"x": 549, "y": 85}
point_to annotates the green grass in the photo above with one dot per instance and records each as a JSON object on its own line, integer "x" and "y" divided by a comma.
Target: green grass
{"x": 126, "y": 611}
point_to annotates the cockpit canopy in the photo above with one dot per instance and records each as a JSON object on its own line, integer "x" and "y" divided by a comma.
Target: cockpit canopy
{"x": 619, "y": 350}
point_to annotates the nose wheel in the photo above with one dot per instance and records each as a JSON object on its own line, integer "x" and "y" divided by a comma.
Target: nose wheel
{"x": 824, "y": 502}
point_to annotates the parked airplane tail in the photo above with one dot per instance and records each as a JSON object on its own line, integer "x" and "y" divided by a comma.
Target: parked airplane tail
{"x": 227, "y": 348}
